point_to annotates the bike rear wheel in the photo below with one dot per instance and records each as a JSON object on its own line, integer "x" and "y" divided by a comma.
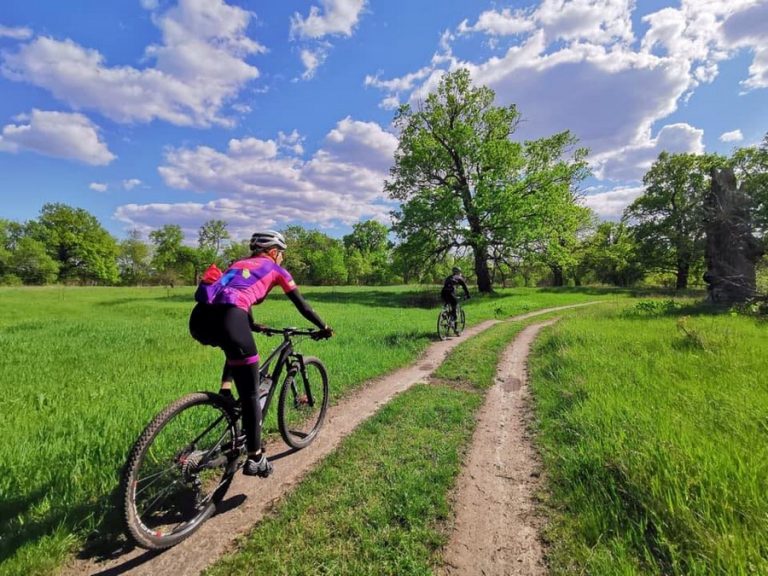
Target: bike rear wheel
{"x": 444, "y": 326}
{"x": 303, "y": 403}
{"x": 179, "y": 469}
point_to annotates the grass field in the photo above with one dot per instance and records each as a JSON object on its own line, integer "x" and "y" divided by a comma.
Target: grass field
{"x": 653, "y": 422}
{"x": 84, "y": 369}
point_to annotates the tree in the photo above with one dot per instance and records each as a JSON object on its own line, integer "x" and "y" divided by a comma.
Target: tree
{"x": 31, "y": 263}
{"x": 235, "y": 251}
{"x": 133, "y": 259}
{"x": 668, "y": 216}
{"x": 464, "y": 184}
{"x": 750, "y": 164}
{"x": 84, "y": 250}
{"x": 313, "y": 257}
{"x": 367, "y": 253}
{"x": 167, "y": 241}
{"x": 211, "y": 238}
{"x": 611, "y": 253}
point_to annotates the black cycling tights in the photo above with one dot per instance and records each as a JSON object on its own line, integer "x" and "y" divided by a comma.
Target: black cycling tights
{"x": 229, "y": 328}
{"x": 247, "y": 383}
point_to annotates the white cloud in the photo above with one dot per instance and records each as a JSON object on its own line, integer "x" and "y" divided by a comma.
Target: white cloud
{"x": 610, "y": 205}
{"x": 131, "y": 183}
{"x": 19, "y": 33}
{"x": 504, "y": 23}
{"x": 732, "y": 136}
{"x": 749, "y": 29}
{"x": 312, "y": 59}
{"x": 267, "y": 182}
{"x": 633, "y": 161}
{"x": 57, "y": 134}
{"x": 98, "y": 186}
{"x": 335, "y": 17}
{"x": 200, "y": 67}
{"x": 600, "y": 21}
{"x": 577, "y": 65}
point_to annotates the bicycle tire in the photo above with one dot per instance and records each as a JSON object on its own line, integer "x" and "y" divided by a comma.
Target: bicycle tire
{"x": 303, "y": 403}
{"x": 444, "y": 324}
{"x": 200, "y": 471}
{"x": 460, "y": 322}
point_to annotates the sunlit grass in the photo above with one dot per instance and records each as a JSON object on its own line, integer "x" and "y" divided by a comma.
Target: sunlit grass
{"x": 653, "y": 426}
{"x": 84, "y": 369}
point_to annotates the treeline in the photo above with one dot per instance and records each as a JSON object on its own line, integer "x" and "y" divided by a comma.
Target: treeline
{"x": 507, "y": 212}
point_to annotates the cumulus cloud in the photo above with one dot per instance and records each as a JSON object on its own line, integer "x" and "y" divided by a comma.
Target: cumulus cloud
{"x": 312, "y": 59}
{"x": 131, "y": 183}
{"x": 199, "y": 68}
{"x": 749, "y": 29}
{"x": 267, "y": 181}
{"x": 633, "y": 161}
{"x": 504, "y": 23}
{"x": 19, "y": 33}
{"x": 578, "y": 65}
{"x": 610, "y": 204}
{"x": 598, "y": 21}
{"x": 57, "y": 134}
{"x": 732, "y": 136}
{"x": 98, "y": 187}
{"x": 335, "y": 17}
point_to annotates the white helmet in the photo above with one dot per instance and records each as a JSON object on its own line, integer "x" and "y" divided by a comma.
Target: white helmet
{"x": 266, "y": 239}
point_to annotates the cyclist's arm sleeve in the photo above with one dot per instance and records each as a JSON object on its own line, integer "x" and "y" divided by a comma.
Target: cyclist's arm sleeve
{"x": 304, "y": 308}
{"x": 466, "y": 290}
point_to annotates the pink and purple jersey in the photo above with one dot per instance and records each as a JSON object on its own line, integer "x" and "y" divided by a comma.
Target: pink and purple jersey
{"x": 247, "y": 282}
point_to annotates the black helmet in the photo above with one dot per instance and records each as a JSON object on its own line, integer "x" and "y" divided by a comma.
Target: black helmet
{"x": 266, "y": 239}
{"x": 456, "y": 270}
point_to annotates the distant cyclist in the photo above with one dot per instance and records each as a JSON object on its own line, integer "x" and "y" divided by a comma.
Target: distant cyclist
{"x": 222, "y": 318}
{"x": 448, "y": 293}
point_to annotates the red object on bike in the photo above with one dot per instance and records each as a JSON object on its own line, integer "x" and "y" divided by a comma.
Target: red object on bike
{"x": 211, "y": 274}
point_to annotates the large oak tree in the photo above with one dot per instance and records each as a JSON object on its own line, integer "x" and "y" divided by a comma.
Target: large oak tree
{"x": 465, "y": 185}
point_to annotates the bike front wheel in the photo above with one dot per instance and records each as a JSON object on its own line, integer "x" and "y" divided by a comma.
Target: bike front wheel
{"x": 179, "y": 469}
{"x": 303, "y": 403}
{"x": 444, "y": 324}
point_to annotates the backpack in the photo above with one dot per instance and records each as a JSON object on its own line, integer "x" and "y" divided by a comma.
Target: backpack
{"x": 209, "y": 285}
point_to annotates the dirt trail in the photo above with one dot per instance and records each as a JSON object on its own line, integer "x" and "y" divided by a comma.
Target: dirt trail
{"x": 249, "y": 499}
{"x": 496, "y": 528}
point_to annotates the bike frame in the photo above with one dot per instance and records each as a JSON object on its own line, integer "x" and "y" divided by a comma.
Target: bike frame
{"x": 283, "y": 352}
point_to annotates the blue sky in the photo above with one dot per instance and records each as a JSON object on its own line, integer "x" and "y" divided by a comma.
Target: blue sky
{"x": 265, "y": 114}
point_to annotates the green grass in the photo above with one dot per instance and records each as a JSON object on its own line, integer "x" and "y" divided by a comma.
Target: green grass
{"x": 84, "y": 369}
{"x": 652, "y": 422}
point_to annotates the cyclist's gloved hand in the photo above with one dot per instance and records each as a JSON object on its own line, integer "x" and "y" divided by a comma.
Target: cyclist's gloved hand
{"x": 323, "y": 333}
{"x": 258, "y": 327}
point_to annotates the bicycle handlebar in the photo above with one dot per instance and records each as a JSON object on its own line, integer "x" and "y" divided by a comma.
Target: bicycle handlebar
{"x": 290, "y": 331}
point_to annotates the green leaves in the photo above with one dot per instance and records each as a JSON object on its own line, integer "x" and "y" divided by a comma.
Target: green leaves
{"x": 466, "y": 186}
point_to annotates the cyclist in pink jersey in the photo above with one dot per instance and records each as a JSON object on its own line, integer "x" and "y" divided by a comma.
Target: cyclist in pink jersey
{"x": 222, "y": 318}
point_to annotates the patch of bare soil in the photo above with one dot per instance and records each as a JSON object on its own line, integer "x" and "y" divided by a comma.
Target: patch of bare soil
{"x": 249, "y": 498}
{"x": 496, "y": 530}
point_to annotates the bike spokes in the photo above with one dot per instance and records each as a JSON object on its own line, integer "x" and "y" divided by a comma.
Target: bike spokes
{"x": 303, "y": 402}
{"x": 181, "y": 470}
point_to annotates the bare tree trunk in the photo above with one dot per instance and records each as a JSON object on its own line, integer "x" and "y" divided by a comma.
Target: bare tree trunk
{"x": 484, "y": 284}
{"x": 557, "y": 275}
{"x": 683, "y": 266}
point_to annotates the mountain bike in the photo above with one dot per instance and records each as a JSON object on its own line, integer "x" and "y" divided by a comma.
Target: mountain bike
{"x": 447, "y": 324}
{"x": 182, "y": 464}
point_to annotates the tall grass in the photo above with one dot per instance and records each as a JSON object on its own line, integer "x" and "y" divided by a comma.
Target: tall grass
{"x": 654, "y": 428}
{"x": 82, "y": 370}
